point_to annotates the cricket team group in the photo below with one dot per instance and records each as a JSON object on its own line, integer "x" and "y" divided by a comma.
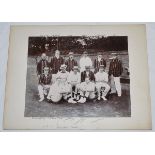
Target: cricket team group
{"x": 76, "y": 82}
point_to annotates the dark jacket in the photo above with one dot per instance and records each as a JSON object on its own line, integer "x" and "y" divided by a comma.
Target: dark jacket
{"x": 115, "y": 68}
{"x": 40, "y": 66}
{"x": 70, "y": 64}
{"x": 45, "y": 80}
{"x": 90, "y": 75}
{"x": 97, "y": 64}
{"x": 55, "y": 64}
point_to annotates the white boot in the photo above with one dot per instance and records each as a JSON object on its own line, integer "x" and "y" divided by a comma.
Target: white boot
{"x": 84, "y": 100}
{"x": 48, "y": 98}
{"x": 77, "y": 97}
{"x": 81, "y": 100}
{"x": 71, "y": 100}
{"x": 41, "y": 99}
{"x": 119, "y": 95}
{"x": 99, "y": 98}
{"x": 103, "y": 97}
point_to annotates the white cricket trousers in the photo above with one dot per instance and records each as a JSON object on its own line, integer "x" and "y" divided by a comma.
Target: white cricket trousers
{"x": 99, "y": 85}
{"x": 43, "y": 90}
{"x": 115, "y": 81}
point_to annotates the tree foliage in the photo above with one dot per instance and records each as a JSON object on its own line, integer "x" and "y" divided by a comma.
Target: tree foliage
{"x": 77, "y": 44}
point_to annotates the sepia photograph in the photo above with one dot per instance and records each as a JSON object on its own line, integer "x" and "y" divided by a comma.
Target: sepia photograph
{"x": 78, "y": 76}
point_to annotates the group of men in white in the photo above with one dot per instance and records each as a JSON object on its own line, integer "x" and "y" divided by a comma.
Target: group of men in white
{"x": 76, "y": 82}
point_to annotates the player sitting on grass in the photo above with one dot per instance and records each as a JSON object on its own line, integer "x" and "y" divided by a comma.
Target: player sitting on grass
{"x": 87, "y": 90}
{"x": 44, "y": 83}
{"x": 101, "y": 78}
{"x": 61, "y": 86}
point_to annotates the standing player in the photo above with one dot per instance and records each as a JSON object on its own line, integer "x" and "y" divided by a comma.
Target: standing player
{"x": 99, "y": 61}
{"x": 56, "y": 62}
{"x": 102, "y": 86}
{"x": 115, "y": 71}
{"x": 74, "y": 80}
{"x": 70, "y": 62}
{"x": 44, "y": 83}
{"x": 41, "y": 64}
{"x": 87, "y": 90}
{"x": 85, "y": 61}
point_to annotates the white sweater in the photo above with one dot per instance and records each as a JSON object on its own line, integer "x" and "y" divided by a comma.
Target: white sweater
{"x": 85, "y": 61}
{"x": 101, "y": 77}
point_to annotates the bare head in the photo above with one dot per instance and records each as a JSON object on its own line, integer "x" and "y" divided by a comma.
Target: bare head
{"x": 43, "y": 56}
{"x": 46, "y": 70}
{"x": 87, "y": 68}
{"x": 87, "y": 80}
{"x": 57, "y": 53}
{"x": 71, "y": 55}
{"x": 85, "y": 53}
{"x": 63, "y": 68}
{"x": 115, "y": 55}
{"x": 75, "y": 69}
{"x": 99, "y": 55}
{"x": 102, "y": 68}
{"x": 46, "y": 46}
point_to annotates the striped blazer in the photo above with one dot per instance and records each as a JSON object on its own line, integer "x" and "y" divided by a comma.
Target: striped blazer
{"x": 45, "y": 80}
{"x": 40, "y": 66}
{"x": 90, "y": 75}
{"x": 115, "y": 68}
{"x": 55, "y": 64}
{"x": 98, "y": 63}
{"x": 70, "y": 64}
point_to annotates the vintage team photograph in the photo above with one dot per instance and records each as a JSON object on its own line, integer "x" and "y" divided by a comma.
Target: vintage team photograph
{"x": 78, "y": 76}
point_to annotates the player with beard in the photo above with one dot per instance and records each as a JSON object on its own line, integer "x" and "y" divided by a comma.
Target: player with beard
{"x": 56, "y": 62}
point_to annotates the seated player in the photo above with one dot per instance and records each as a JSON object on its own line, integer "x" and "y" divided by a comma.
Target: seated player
{"x": 87, "y": 90}
{"x": 74, "y": 80}
{"x": 61, "y": 86}
{"x": 87, "y": 73}
{"x": 102, "y": 86}
{"x": 44, "y": 83}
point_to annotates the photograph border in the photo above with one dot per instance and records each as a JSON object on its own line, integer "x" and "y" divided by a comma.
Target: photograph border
{"x": 141, "y": 118}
